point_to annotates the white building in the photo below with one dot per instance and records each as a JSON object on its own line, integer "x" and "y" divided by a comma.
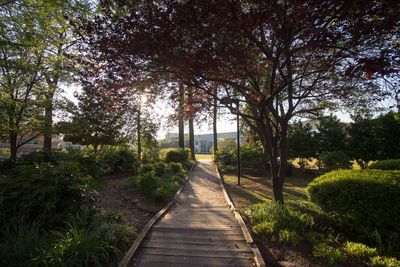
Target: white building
{"x": 204, "y": 142}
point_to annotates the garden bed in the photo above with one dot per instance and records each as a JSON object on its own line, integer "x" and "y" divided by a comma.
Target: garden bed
{"x": 255, "y": 188}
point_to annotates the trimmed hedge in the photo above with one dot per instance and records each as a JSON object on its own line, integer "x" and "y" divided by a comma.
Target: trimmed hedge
{"x": 390, "y": 164}
{"x": 370, "y": 197}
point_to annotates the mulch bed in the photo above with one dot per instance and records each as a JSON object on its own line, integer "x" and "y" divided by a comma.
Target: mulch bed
{"x": 135, "y": 208}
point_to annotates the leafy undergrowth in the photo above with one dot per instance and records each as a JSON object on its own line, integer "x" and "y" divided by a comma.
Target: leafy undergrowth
{"x": 300, "y": 232}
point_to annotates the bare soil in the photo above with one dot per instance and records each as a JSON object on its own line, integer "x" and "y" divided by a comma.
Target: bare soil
{"x": 135, "y": 208}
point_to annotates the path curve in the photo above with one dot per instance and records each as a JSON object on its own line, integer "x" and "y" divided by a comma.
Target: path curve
{"x": 200, "y": 230}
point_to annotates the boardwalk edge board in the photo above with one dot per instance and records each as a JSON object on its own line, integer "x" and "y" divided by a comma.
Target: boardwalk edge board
{"x": 126, "y": 260}
{"x": 257, "y": 254}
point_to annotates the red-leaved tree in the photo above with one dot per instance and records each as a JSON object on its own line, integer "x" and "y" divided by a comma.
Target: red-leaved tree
{"x": 280, "y": 58}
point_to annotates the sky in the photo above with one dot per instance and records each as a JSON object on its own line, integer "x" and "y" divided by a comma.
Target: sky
{"x": 225, "y": 123}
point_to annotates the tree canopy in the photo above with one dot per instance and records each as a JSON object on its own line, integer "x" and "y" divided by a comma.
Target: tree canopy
{"x": 282, "y": 58}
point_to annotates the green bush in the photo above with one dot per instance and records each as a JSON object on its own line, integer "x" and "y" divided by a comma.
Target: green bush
{"x": 175, "y": 167}
{"x": 45, "y": 191}
{"x": 223, "y": 159}
{"x": 159, "y": 181}
{"x": 159, "y": 168}
{"x": 370, "y": 197}
{"x": 150, "y": 156}
{"x": 174, "y": 155}
{"x": 334, "y": 160}
{"x": 390, "y": 164}
{"x": 145, "y": 169}
{"x": 251, "y": 156}
{"x": 148, "y": 183}
{"x": 114, "y": 159}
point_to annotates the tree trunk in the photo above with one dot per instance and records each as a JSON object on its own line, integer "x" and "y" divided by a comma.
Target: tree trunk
{"x": 270, "y": 148}
{"x": 215, "y": 113}
{"x": 139, "y": 141}
{"x": 191, "y": 138}
{"x": 13, "y": 145}
{"x": 48, "y": 124}
{"x": 191, "y": 128}
{"x": 181, "y": 115}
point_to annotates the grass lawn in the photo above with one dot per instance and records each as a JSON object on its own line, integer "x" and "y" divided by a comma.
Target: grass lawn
{"x": 204, "y": 156}
{"x": 256, "y": 186}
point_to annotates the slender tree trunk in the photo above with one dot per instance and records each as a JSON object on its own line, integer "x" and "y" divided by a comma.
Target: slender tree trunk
{"x": 191, "y": 128}
{"x": 13, "y": 145}
{"x": 270, "y": 148}
{"x": 191, "y": 138}
{"x": 215, "y": 113}
{"x": 181, "y": 116}
{"x": 139, "y": 141}
{"x": 48, "y": 124}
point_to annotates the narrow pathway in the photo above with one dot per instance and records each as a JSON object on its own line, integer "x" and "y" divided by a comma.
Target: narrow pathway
{"x": 200, "y": 230}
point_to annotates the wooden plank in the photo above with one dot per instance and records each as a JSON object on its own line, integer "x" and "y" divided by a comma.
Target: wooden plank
{"x": 197, "y": 226}
{"x": 129, "y": 254}
{"x": 178, "y": 236}
{"x": 257, "y": 254}
{"x": 197, "y": 253}
{"x": 147, "y": 259}
{"x": 199, "y": 216}
{"x": 216, "y": 246}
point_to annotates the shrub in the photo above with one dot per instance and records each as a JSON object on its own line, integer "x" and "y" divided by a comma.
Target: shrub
{"x": 390, "y": 164}
{"x": 114, "y": 159}
{"x": 150, "y": 156}
{"x": 145, "y": 169}
{"x": 330, "y": 254}
{"x": 174, "y": 155}
{"x": 159, "y": 168}
{"x": 46, "y": 192}
{"x": 165, "y": 190}
{"x": 370, "y": 197}
{"x": 223, "y": 159}
{"x": 175, "y": 167}
{"x": 251, "y": 156}
{"x": 148, "y": 183}
{"x": 360, "y": 250}
{"x": 335, "y": 160}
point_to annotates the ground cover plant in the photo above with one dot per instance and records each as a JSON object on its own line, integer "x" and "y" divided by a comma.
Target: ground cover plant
{"x": 303, "y": 231}
{"x": 48, "y": 214}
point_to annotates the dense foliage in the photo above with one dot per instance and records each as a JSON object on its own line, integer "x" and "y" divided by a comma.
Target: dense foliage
{"x": 159, "y": 181}
{"x": 390, "y": 164}
{"x": 334, "y": 160}
{"x": 48, "y": 216}
{"x": 375, "y": 139}
{"x": 299, "y": 221}
{"x": 174, "y": 155}
{"x": 370, "y": 197}
{"x": 302, "y": 142}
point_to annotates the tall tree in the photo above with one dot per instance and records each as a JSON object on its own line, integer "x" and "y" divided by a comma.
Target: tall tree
{"x": 282, "y": 58}
{"x": 22, "y": 52}
{"x": 331, "y": 134}
{"x": 302, "y": 142}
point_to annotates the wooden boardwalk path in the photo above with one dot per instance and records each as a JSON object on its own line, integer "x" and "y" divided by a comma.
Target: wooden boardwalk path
{"x": 200, "y": 230}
